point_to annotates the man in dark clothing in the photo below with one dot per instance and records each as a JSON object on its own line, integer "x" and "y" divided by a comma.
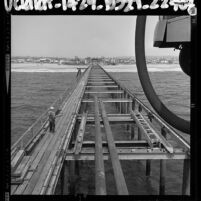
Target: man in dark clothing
{"x": 52, "y": 119}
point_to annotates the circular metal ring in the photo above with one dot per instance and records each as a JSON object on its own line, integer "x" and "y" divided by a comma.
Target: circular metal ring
{"x": 174, "y": 120}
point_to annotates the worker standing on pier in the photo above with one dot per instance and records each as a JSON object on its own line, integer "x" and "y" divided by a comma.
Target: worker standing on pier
{"x": 52, "y": 115}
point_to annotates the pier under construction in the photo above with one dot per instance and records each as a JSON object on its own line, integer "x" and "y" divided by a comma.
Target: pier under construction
{"x": 84, "y": 132}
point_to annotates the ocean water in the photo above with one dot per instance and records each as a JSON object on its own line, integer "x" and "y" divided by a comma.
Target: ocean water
{"x": 32, "y": 93}
{"x": 173, "y": 88}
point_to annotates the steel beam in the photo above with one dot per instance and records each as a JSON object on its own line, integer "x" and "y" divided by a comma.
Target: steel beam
{"x": 104, "y": 92}
{"x": 118, "y": 144}
{"x": 80, "y": 135}
{"x": 186, "y": 178}
{"x": 130, "y": 154}
{"x": 102, "y": 86}
{"x": 118, "y": 173}
{"x": 99, "y": 163}
{"x": 109, "y": 100}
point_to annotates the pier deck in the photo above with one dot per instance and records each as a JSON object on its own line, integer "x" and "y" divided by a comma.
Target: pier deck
{"x": 39, "y": 158}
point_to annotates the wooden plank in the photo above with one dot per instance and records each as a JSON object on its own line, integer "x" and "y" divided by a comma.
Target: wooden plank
{"x": 21, "y": 166}
{"x": 24, "y": 171}
{"x": 22, "y": 187}
{"x": 104, "y": 92}
{"x": 36, "y": 161}
{"x": 102, "y": 77}
{"x": 80, "y": 135}
{"x": 13, "y": 188}
{"x": 16, "y": 181}
{"x": 112, "y": 119}
{"x": 45, "y": 160}
{"x": 28, "y": 176}
{"x": 109, "y": 100}
{"x": 109, "y": 115}
{"x": 13, "y": 153}
{"x": 46, "y": 170}
{"x": 29, "y": 147}
{"x": 47, "y": 179}
{"x": 130, "y": 156}
{"x": 102, "y": 86}
{"x": 51, "y": 183}
{"x": 118, "y": 173}
{"x": 101, "y": 82}
{"x": 99, "y": 79}
{"x": 16, "y": 160}
{"x": 100, "y": 183}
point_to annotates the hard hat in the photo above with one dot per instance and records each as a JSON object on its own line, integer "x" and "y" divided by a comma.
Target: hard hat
{"x": 51, "y": 108}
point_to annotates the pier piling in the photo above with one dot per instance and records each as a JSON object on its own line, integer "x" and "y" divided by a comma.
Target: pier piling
{"x": 186, "y": 178}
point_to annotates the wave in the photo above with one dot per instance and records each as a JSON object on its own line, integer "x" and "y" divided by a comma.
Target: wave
{"x": 150, "y": 67}
{"x": 53, "y": 68}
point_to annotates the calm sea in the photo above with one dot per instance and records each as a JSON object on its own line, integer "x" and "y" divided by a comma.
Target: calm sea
{"x": 33, "y": 92}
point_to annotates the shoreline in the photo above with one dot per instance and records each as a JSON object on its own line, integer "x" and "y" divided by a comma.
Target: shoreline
{"x": 54, "y": 68}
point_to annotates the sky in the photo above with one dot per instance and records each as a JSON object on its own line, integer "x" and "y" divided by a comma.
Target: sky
{"x": 82, "y": 36}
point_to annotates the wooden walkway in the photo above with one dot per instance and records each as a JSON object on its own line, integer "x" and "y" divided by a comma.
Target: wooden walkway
{"x": 38, "y": 158}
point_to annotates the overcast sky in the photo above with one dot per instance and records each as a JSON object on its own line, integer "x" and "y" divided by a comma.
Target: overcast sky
{"x": 69, "y": 36}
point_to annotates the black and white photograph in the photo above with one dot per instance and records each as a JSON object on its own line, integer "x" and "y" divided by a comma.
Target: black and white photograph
{"x": 100, "y": 105}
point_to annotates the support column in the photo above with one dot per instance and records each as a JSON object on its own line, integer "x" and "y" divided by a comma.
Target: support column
{"x": 162, "y": 169}
{"x": 162, "y": 177}
{"x": 148, "y": 167}
{"x": 124, "y": 103}
{"x": 186, "y": 177}
{"x": 75, "y": 131}
{"x": 148, "y": 163}
{"x": 64, "y": 179}
{"x": 77, "y": 167}
{"x": 133, "y": 105}
{"x": 139, "y": 134}
{"x": 133, "y": 131}
{"x": 72, "y": 177}
{"x": 120, "y": 104}
{"x": 128, "y": 112}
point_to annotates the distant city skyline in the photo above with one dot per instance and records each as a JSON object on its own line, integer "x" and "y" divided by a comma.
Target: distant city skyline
{"x": 82, "y": 36}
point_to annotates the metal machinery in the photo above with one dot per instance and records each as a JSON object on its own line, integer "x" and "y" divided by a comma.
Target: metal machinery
{"x": 171, "y": 32}
{"x": 175, "y": 32}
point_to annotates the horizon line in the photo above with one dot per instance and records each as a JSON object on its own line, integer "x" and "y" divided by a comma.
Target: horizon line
{"x": 97, "y": 56}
